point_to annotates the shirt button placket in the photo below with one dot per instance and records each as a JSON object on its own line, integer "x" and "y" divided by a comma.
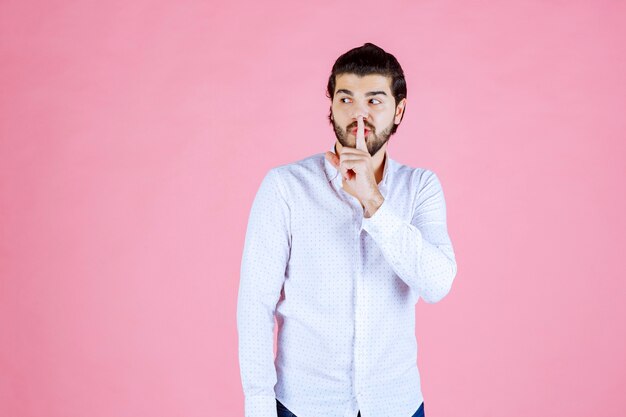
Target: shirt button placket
{"x": 359, "y": 342}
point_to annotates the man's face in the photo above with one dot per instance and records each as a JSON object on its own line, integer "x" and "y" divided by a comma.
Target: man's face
{"x": 369, "y": 96}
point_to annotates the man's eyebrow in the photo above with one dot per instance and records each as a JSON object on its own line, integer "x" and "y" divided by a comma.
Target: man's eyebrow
{"x": 369, "y": 93}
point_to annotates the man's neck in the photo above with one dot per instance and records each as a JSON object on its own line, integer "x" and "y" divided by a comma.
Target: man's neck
{"x": 379, "y": 159}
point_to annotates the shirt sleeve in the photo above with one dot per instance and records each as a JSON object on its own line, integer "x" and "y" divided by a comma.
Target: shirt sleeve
{"x": 265, "y": 256}
{"x": 420, "y": 252}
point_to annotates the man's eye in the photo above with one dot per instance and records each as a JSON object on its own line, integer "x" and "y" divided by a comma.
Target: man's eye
{"x": 375, "y": 99}
{"x": 344, "y": 98}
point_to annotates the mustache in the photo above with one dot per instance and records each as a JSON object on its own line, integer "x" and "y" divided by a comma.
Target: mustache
{"x": 355, "y": 124}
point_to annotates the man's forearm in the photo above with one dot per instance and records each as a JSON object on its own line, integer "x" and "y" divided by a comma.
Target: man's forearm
{"x": 427, "y": 268}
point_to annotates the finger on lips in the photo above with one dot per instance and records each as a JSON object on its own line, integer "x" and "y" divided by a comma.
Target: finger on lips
{"x": 347, "y": 158}
{"x": 360, "y": 134}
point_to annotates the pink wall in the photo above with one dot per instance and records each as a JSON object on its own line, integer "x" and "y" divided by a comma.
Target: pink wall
{"x": 133, "y": 137}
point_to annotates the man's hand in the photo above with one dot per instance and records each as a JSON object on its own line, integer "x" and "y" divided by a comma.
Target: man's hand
{"x": 357, "y": 170}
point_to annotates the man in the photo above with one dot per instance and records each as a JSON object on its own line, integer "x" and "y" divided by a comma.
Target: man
{"x": 339, "y": 248}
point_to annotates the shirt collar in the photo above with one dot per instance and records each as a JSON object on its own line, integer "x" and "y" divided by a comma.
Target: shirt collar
{"x": 333, "y": 175}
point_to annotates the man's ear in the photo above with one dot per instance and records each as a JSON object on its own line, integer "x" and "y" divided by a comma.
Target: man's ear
{"x": 399, "y": 111}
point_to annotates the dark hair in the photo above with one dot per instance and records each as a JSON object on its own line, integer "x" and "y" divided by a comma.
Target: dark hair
{"x": 365, "y": 60}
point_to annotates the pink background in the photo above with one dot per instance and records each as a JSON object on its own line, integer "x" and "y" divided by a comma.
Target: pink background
{"x": 134, "y": 135}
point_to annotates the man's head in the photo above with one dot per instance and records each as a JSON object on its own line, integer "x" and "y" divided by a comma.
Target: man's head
{"x": 370, "y": 82}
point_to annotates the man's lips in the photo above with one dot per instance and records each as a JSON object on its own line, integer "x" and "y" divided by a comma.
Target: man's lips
{"x": 366, "y": 131}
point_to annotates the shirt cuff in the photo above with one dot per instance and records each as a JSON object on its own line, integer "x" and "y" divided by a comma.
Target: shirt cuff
{"x": 383, "y": 223}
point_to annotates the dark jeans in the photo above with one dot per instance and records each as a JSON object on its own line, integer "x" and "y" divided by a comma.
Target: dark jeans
{"x": 284, "y": 412}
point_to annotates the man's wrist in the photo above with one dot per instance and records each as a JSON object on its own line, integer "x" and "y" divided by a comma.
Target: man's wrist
{"x": 373, "y": 204}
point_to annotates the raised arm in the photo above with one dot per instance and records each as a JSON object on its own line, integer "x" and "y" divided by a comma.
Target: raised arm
{"x": 420, "y": 252}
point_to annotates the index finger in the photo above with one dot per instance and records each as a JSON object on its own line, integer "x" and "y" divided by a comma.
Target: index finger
{"x": 360, "y": 135}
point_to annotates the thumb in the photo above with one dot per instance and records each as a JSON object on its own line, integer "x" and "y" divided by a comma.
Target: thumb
{"x": 332, "y": 158}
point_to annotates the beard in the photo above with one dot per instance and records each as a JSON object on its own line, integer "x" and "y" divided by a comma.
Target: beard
{"x": 373, "y": 140}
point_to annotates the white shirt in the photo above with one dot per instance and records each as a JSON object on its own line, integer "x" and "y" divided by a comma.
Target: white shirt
{"x": 343, "y": 289}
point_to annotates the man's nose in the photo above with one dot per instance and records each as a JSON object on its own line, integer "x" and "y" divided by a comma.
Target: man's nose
{"x": 356, "y": 116}
{"x": 360, "y": 110}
